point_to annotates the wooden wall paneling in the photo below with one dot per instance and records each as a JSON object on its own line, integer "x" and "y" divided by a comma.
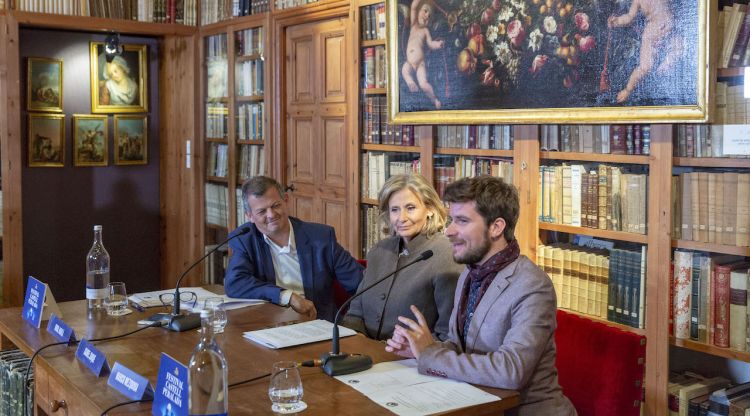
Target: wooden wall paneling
{"x": 526, "y": 179}
{"x": 426, "y": 142}
{"x": 353, "y": 138}
{"x": 658, "y": 273}
{"x": 181, "y": 187}
{"x": 11, "y": 144}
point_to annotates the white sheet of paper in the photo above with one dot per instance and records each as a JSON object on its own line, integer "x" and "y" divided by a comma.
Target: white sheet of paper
{"x": 398, "y": 387}
{"x": 149, "y": 299}
{"x": 297, "y": 334}
{"x": 736, "y": 139}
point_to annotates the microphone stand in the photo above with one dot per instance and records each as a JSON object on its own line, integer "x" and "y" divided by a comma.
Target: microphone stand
{"x": 337, "y": 363}
{"x": 184, "y": 323}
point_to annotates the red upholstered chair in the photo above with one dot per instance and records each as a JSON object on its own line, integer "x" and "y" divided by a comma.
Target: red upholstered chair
{"x": 340, "y": 295}
{"x": 600, "y": 367}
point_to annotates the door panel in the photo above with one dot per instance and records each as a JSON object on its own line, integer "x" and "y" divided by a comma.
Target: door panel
{"x": 317, "y": 125}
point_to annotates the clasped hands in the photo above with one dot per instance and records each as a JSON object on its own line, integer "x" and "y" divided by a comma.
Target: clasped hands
{"x": 410, "y": 338}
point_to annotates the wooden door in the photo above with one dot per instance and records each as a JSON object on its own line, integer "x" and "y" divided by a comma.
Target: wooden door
{"x": 317, "y": 162}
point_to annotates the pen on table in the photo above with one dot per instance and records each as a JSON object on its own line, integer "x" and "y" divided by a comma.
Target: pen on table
{"x": 138, "y": 307}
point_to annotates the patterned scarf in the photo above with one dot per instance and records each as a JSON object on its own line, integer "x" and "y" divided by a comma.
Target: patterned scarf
{"x": 477, "y": 282}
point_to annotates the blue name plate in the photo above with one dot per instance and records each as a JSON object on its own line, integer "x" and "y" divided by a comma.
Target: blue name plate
{"x": 132, "y": 385}
{"x": 92, "y": 358}
{"x": 34, "y": 302}
{"x": 60, "y": 329}
{"x": 171, "y": 395}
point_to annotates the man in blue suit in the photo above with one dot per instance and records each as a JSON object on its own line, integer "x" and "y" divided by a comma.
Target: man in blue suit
{"x": 285, "y": 260}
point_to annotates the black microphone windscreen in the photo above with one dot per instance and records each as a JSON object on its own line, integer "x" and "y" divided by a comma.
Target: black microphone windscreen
{"x": 426, "y": 255}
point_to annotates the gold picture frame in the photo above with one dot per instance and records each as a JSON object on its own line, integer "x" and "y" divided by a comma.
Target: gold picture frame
{"x": 46, "y": 140}
{"x": 44, "y": 86}
{"x": 554, "y": 61}
{"x": 90, "y": 140}
{"x": 131, "y": 140}
{"x": 119, "y": 85}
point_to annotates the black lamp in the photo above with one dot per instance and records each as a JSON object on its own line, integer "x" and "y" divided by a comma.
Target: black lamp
{"x": 112, "y": 46}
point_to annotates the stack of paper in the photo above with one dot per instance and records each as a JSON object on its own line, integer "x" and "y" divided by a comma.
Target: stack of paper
{"x": 297, "y": 334}
{"x": 151, "y": 299}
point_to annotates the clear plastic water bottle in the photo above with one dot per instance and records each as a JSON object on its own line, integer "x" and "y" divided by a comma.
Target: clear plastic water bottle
{"x": 207, "y": 374}
{"x": 97, "y": 271}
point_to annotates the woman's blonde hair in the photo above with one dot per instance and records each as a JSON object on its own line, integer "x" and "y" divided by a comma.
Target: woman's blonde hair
{"x": 417, "y": 184}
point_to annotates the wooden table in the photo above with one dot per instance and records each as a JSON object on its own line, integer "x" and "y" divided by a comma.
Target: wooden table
{"x": 59, "y": 376}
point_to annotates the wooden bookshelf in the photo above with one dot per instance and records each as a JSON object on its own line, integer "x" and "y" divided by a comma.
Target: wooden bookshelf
{"x": 251, "y": 57}
{"x": 473, "y": 152}
{"x": 373, "y": 91}
{"x": 220, "y": 179}
{"x": 390, "y": 148}
{"x": 373, "y": 42}
{"x": 596, "y": 157}
{"x": 249, "y": 98}
{"x": 711, "y": 247}
{"x": 639, "y": 331}
{"x": 712, "y": 162}
{"x": 100, "y": 24}
{"x": 216, "y": 227}
{"x": 710, "y": 349}
{"x": 216, "y": 140}
{"x": 253, "y": 142}
{"x": 369, "y": 201}
{"x": 730, "y": 72}
{"x": 595, "y": 232}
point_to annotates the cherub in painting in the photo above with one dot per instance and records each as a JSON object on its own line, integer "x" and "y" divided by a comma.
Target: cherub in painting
{"x": 419, "y": 36}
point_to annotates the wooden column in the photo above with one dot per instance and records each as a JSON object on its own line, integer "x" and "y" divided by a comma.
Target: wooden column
{"x": 526, "y": 179}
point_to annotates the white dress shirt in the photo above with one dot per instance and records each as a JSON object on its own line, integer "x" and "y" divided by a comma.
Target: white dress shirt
{"x": 286, "y": 266}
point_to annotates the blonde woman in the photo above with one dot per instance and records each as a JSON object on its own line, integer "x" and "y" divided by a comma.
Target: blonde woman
{"x": 118, "y": 87}
{"x": 414, "y": 216}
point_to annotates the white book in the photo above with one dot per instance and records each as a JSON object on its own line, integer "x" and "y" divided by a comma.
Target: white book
{"x": 738, "y": 309}
{"x": 575, "y": 194}
{"x": 297, "y": 334}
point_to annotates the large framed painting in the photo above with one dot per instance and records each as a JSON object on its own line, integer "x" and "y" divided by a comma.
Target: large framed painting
{"x": 90, "y": 137}
{"x": 131, "y": 141}
{"x": 548, "y": 61}
{"x": 119, "y": 84}
{"x": 46, "y": 140}
{"x": 44, "y": 87}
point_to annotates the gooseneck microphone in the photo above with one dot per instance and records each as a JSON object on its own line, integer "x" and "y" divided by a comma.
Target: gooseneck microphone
{"x": 336, "y": 363}
{"x": 183, "y": 323}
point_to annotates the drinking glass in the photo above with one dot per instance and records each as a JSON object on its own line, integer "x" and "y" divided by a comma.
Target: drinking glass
{"x": 116, "y": 301}
{"x": 285, "y": 389}
{"x": 219, "y": 320}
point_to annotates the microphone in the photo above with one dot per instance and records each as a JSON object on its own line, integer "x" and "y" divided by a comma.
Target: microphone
{"x": 337, "y": 363}
{"x": 179, "y": 322}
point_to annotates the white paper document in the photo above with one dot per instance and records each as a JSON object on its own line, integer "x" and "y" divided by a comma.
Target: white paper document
{"x": 151, "y": 299}
{"x": 297, "y": 334}
{"x": 398, "y": 387}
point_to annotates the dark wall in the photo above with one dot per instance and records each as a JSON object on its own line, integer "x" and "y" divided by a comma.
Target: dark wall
{"x": 61, "y": 205}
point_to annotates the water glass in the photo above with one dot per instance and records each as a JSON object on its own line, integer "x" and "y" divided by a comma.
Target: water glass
{"x": 285, "y": 389}
{"x": 116, "y": 301}
{"x": 219, "y": 320}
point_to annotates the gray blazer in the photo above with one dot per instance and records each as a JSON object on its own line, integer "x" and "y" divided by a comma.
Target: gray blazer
{"x": 429, "y": 284}
{"x": 510, "y": 342}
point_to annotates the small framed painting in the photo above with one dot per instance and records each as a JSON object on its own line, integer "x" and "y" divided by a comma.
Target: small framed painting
{"x": 131, "y": 140}
{"x": 90, "y": 137}
{"x": 44, "y": 88}
{"x": 46, "y": 140}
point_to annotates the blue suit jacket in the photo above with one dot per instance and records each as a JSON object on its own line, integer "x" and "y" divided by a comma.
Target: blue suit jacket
{"x": 321, "y": 259}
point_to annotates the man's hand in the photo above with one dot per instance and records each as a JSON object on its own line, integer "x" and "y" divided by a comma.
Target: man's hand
{"x": 418, "y": 334}
{"x": 303, "y": 306}
{"x": 398, "y": 344}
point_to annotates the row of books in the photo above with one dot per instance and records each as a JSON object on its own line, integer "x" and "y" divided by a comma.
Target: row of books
{"x": 377, "y": 129}
{"x": 216, "y": 161}
{"x": 249, "y": 41}
{"x": 604, "y": 197}
{"x": 248, "y": 7}
{"x": 731, "y": 104}
{"x": 217, "y": 204}
{"x": 239, "y": 206}
{"x": 248, "y": 77}
{"x": 215, "y": 266}
{"x": 712, "y": 207}
{"x": 698, "y": 140}
{"x": 607, "y": 284}
{"x": 216, "y": 120}
{"x": 616, "y": 139}
{"x": 377, "y": 167}
{"x": 498, "y": 137}
{"x": 250, "y": 121}
{"x": 157, "y": 11}
{"x": 373, "y": 22}
{"x": 733, "y": 34}
{"x": 374, "y": 67}
{"x": 371, "y": 231}
{"x": 13, "y": 401}
{"x": 252, "y": 162}
{"x": 286, "y": 4}
{"x": 709, "y": 299}
{"x": 691, "y": 394}
{"x": 450, "y": 168}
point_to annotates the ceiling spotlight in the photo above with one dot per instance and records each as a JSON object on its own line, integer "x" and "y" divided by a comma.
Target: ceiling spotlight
{"x": 112, "y": 46}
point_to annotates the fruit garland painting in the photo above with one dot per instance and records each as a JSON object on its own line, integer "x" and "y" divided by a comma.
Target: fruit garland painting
{"x": 553, "y": 54}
